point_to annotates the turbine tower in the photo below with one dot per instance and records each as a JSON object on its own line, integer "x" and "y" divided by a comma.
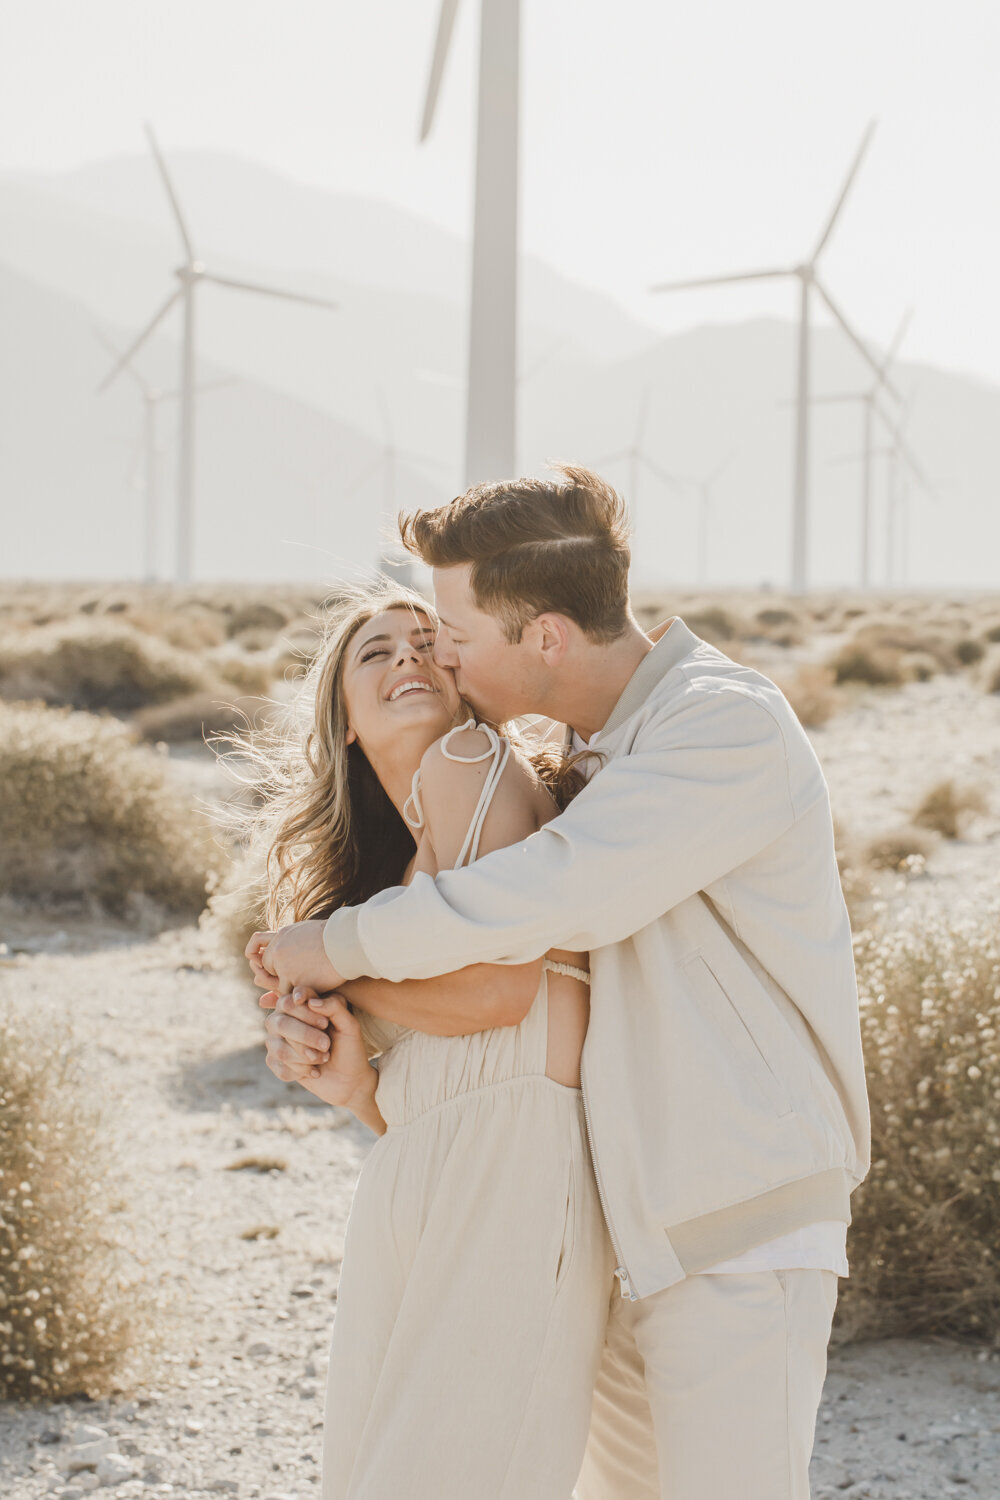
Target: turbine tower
{"x": 705, "y": 490}
{"x": 870, "y": 402}
{"x": 491, "y": 391}
{"x": 808, "y": 278}
{"x": 152, "y": 398}
{"x": 636, "y": 457}
{"x": 189, "y": 275}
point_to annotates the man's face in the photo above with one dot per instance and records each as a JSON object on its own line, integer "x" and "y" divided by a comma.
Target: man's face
{"x": 499, "y": 679}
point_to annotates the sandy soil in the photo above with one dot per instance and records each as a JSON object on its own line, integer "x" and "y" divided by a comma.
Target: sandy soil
{"x": 238, "y": 1398}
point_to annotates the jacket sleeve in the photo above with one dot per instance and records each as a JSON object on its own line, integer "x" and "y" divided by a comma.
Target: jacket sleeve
{"x": 704, "y": 789}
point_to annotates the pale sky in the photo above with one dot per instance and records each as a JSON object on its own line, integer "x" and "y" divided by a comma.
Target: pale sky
{"x": 658, "y": 140}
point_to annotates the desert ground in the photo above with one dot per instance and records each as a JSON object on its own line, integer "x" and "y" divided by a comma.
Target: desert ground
{"x": 247, "y": 1257}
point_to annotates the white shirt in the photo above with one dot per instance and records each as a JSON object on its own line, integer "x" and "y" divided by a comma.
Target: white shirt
{"x": 820, "y": 1247}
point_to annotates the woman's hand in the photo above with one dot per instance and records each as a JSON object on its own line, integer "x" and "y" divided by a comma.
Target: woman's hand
{"x": 331, "y": 1063}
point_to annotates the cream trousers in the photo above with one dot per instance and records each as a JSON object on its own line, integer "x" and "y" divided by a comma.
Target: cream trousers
{"x": 709, "y": 1390}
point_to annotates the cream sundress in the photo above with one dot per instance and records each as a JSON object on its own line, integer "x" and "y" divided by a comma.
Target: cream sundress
{"x": 477, "y": 1268}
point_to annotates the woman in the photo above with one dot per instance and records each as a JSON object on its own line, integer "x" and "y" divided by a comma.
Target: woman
{"x": 473, "y": 1295}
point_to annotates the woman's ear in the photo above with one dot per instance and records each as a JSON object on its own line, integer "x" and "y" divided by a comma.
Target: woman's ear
{"x": 350, "y": 736}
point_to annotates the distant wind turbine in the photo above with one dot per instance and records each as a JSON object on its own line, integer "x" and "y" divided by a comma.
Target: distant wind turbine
{"x": 637, "y": 459}
{"x": 809, "y": 280}
{"x": 705, "y": 491}
{"x": 870, "y": 402}
{"x": 899, "y": 458}
{"x": 152, "y": 399}
{"x": 386, "y": 464}
{"x": 189, "y": 275}
{"x": 491, "y": 392}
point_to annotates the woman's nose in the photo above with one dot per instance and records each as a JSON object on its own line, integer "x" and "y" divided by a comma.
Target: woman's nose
{"x": 406, "y": 651}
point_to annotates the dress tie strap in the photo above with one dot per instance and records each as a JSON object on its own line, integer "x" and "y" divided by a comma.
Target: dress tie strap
{"x": 499, "y": 750}
{"x": 570, "y": 969}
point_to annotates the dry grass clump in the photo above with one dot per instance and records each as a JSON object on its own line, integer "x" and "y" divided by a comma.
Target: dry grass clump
{"x": 969, "y": 651}
{"x": 237, "y": 908}
{"x": 906, "y": 849}
{"x": 73, "y": 1318}
{"x": 96, "y": 664}
{"x": 813, "y": 694}
{"x": 87, "y": 815}
{"x": 252, "y": 677}
{"x": 192, "y": 717}
{"x": 925, "y": 1242}
{"x": 856, "y": 662}
{"x": 257, "y": 615}
{"x": 194, "y": 628}
{"x": 713, "y": 623}
{"x": 947, "y": 808}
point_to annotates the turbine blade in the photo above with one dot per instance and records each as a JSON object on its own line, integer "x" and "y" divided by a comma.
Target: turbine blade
{"x": 848, "y": 182}
{"x": 893, "y": 348}
{"x": 718, "y": 473}
{"x": 138, "y": 342}
{"x": 668, "y": 479}
{"x": 681, "y": 286}
{"x": 114, "y": 349}
{"x": 365, "y": 474}
{"x": 171, "y": 192}
{"x": 858, "y": 342}
{"x": 442, "y": 42}
{"x": 267, "y": 291}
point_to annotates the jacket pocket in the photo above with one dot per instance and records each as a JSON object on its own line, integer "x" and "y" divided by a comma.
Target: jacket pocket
{"x": 734, "y": 1031}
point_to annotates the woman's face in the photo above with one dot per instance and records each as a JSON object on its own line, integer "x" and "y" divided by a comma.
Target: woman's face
{"x": 392, "y": 687}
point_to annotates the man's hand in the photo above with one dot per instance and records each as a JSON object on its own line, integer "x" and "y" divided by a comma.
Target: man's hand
{"x": 292, "y": 956}
{"x": 298, "y": 1043}
{"x": 331, "y": 1063}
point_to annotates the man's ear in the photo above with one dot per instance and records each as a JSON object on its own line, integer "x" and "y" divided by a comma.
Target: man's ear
{"x": 552, "y": 637}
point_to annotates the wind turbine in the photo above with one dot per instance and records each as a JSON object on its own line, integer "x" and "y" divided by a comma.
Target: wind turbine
{"x": 387, "y": 464}
{"x": 637, "y": 459}
{"x": 189, "y": 275}
{"x": 152, "y": 398}
{"x": 871, "y": 409}
{"x": 705, "y": 491}
{"x": 491, "y": 392}
{"x": 808, "y": 278}
{"x": 899, "y": 457}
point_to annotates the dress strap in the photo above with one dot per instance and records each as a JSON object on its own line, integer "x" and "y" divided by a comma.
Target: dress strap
{"x": 417, "y": 821}
{"x": 570, "y": 969}
{"x": 499, "y": 750}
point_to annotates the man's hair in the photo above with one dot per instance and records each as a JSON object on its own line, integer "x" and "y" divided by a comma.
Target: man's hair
{"x": 535, "y": 545}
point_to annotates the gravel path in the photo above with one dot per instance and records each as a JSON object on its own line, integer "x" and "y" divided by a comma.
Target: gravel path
{"x": 238, "y": 1401}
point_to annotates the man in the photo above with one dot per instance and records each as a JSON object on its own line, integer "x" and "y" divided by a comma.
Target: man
{"x": 722, "y": 1072}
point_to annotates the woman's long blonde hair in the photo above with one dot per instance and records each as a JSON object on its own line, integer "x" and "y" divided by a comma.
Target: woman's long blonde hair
{"x": 319, "y": 824}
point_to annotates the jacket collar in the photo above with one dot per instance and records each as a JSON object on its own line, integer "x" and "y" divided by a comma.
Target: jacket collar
{"x": 676, "y": 642}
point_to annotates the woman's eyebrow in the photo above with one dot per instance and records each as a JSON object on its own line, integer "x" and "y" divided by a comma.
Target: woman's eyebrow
{"x": 369, "y": 642}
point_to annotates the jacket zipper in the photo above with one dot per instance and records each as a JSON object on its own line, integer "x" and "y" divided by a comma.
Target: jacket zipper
{"x": 621, "y": 1270}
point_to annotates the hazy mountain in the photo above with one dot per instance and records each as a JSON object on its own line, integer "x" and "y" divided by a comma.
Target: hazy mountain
{"x": 317, "y": 389}
{"x": 284, "y": 490}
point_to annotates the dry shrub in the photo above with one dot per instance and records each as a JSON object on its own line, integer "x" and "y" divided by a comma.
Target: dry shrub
{"x": 88, "y": 816}
{"x": 236, "y": 910}
{"x": 969, "y": 651}
{"x": 812, "y": 693}
{"x": 192, "y": 717}
{"x": 779, "y": 625}
{"x": 191, "y": 629}
{"x": 864, "y": 664}
{"x": 906, "y": 849}
{"x": 73, "y": 1317}
{"x": 713, "y": 623}
{"x": 991, "y": 674}
{"x": 947, "y": 808}
{"x": 257, "y": 616}
{"x": 251, "y": 676}
{"x": 992, "y": 634}
{"x": 96, "y": 664}
{"x": 925, "y": 1241}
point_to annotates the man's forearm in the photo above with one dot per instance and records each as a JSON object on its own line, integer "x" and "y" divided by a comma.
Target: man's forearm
{"x": 473, "y": 999}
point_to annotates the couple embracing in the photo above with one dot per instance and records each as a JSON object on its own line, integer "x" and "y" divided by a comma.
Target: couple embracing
{"x": 594, "y": 992}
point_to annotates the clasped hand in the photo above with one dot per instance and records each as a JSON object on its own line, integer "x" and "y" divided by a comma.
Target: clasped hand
{"x": 312, "y": 1036}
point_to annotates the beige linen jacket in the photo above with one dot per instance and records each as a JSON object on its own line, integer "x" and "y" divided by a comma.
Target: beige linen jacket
{"x": 722, "y": 1072}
